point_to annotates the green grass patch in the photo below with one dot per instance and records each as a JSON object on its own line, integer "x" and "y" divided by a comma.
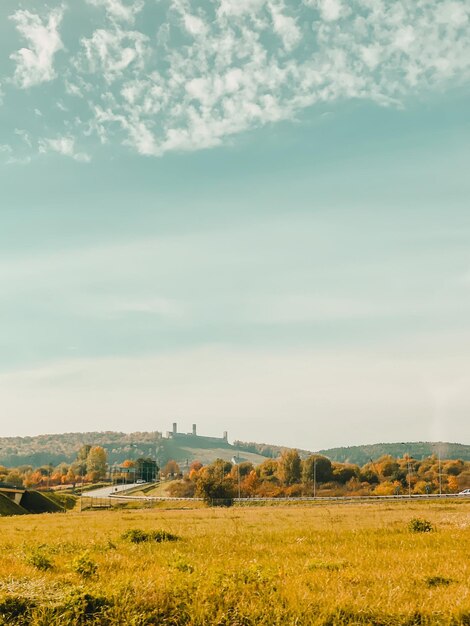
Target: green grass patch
{"x": 136, "y": 535}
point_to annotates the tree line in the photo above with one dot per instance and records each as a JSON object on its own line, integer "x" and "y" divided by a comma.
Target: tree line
{"x": 291, "y": 476}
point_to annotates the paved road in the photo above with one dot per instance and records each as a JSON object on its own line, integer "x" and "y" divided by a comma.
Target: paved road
{"x": 105, "y": 492}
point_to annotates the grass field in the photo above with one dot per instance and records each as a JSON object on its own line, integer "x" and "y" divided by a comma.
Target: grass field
{"x": 292, "y": 565}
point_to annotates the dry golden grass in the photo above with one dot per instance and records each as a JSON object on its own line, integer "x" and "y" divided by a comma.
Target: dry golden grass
{"x": 278, "y": 565}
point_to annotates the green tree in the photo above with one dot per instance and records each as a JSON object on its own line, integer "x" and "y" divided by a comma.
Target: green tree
{"x": 289, "y": 467}
{"x": 80, "y": 467}
{"x": 215, "y": 491}
{"x": 146, "y": 469}
{"x": 343, "y": 473}
{"x": 318, "y": 467}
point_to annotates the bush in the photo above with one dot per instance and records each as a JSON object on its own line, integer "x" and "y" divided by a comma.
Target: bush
{"x": 15, "y": 610}
{"x": 419, "y": 525}
{"x": 83, "y": 608}
{"x": 39, "y": 560}
{"x": 135, "y": 535}
{"x": 436, "y": 581}
{"x": 84, "y": 566}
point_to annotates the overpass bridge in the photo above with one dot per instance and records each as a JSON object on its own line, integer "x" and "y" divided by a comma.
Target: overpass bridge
{"x": 13, "y": 494}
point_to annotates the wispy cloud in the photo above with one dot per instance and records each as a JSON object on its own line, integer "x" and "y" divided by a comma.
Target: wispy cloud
{"x": 222, "y": 68}
{"x": 119, "y": 10}
{"x": 35, "y": 64}
{"x": 64, "y": 146}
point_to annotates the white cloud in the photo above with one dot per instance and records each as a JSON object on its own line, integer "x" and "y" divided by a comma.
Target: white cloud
{"x": 194, "y": 25}
{"x": 247, "y": 63}
{"x": 285, "y": 26}
{"x": 112, "y": 52}
{"x": 64, "y": 146}
{"x": 239, "y": 7}
{"x": 118, "y": 10}
{"x": 35, "y": 65}
{"x": 330, "y": 10}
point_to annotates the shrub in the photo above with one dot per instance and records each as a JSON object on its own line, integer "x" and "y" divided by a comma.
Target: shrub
{"x": 15, "y": 610}
{"x": 39, "y": 560}
{"x": 436, "y": 581}
{"x": 419, "y": 525}
{"x": 84, "y": 566}
{"x": 80, "y": 608}
{"x": 136, "y": 535}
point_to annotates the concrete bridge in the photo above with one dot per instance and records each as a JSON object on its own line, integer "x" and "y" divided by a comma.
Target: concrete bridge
{"x": 13, "y": 494}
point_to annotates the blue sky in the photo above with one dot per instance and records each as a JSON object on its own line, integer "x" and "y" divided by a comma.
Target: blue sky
{"x": 252, "y": 215}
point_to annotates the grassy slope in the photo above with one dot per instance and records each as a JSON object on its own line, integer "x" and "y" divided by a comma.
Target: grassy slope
{"x": 199, "y": 450}
{"x": 8, "y": 507}
{"x": 35, "y": 502}
{"x": 276, "y": 566}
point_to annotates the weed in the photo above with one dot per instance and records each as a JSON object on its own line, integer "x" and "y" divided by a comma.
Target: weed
{"x": 84, "y": 566}
{"x": 182, "y": 566}
{"x": 38, "y": 559}
{"x": 135, "y": 535}
{"x": 420, "y": 525}
{"x": 15, "y": 610}
{"x": 82, "y": 608}
{"x": 437, "y": 581}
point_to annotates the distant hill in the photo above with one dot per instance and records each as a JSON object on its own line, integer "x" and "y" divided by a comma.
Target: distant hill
{"x": 62, "y": 448}
{"x": 55, "y": 449}
{"x": 360, "y": 455}
{"x": 268, "y": 450}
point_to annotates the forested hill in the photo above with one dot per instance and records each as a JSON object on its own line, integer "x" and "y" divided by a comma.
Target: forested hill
{"x": 360, "y": 455}
{"x": 63, "y": 448}
{"x": 55, "y": 449}
{"x": 268, "y": 450}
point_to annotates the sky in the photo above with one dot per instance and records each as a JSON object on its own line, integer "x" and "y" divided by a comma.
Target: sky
{"x": 252, "y": 215}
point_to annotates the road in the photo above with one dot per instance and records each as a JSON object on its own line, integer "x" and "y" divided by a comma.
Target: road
{"x": 105, "y": 492}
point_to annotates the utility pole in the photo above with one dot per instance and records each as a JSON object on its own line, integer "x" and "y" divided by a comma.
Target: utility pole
{"x": 440, "y": 472}
{"x": 238, "y": 473}
{"x": 315, "y": 477}
{"x": 409, "y": 476}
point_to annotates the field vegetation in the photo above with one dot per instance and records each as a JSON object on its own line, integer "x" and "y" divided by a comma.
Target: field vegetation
{"x": 378, "y": 563}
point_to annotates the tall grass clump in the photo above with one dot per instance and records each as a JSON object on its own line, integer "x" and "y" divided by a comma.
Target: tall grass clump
{"x": 420, "y": 525}
{"x": 136, "y": 535}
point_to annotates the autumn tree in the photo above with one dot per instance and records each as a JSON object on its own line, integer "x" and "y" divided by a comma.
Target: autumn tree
{"x": 195, "y": 466}
{"x": 289, "y": 467}
{"x": 171, "y": 469}
{"x": 268, "y": 470}
{"x": 96, "y": 462}
{"x": 241, "y": 470}
{"x": 14, "y": 478}
{"x": 342, "y": 473}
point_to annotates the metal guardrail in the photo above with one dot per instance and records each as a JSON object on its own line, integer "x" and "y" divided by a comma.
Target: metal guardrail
{"x": 414, "y": 496}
